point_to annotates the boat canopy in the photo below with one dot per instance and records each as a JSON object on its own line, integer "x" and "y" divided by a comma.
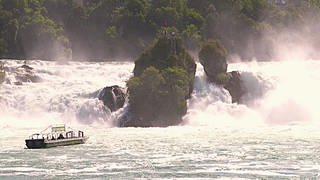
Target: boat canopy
{"x": 55, "y": 131}
{"x": 58, "y": 128}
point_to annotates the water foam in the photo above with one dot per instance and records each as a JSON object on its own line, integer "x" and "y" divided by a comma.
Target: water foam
{"x": 280, "y": 93}
{"x": 63, "y": 96}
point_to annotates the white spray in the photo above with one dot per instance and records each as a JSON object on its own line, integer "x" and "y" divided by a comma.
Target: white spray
{"x": 280, "y": 93}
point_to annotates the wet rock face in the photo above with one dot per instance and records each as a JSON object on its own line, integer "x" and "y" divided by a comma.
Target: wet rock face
{"x": 112, "y": 97}
{"x": 234, "y": 86}
{"x": 131, "y": 119}
{"x": 26, "y": 73}
{"x": 2, "y": 74}
{"x": 22, "y": 74}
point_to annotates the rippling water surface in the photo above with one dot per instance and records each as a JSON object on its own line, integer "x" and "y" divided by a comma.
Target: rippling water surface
{"x": 176, "y": 152}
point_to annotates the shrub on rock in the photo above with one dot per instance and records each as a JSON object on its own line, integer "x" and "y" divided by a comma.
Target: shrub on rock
{"x": 162, "y": 82}
{"x": 213, "y": 56}
{"x": 158, "y": 98}
{"x": 166, "y": 52}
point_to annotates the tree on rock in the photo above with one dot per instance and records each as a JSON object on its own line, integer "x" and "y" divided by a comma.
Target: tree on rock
{"x": 158, "y": 98}
{"x": 162, "y": 82}
{"x": 212, "y": 56}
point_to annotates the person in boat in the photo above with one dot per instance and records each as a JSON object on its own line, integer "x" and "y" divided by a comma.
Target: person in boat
{"x": 61, "y": 136}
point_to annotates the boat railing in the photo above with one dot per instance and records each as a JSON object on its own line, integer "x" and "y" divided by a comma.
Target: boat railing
{"x": 35, "y": 136}
{"x": 58, "y": 132}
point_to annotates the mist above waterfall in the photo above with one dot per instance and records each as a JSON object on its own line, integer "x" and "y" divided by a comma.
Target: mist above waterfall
{"x": 280, "y": 93}
{"x": 66, "y": 93}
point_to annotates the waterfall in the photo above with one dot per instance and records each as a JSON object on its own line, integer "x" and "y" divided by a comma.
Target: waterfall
{"x": 279, "y": 93}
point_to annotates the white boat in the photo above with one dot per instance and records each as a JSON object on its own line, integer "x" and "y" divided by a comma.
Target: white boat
{"x": 60, "y": 135}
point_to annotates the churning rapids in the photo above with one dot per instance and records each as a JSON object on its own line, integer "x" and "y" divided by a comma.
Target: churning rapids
{"x": 273, "y": 135}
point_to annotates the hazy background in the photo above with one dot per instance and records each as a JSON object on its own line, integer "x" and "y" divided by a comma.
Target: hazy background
{"x": 122, "y": 29}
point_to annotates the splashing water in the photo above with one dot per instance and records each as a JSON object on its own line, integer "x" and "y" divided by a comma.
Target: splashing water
{"x": 279, "y": 93}
{"x": 65, "y": 95}
{"x": 273, "y": 135}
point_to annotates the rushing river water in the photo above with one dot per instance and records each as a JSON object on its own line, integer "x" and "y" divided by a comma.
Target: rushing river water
{"x": 175, "y": 152}
{"x": 274, "y": 135}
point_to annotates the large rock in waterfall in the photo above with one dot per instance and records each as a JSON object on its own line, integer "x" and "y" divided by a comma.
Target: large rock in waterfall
{"x": 2, "y": 73}
{"x": 112, "y": 97}
{"x": 2, "y": 76}
{"x": 26, "y": 73}
{"x": 163, "y": 81}
{"x": 23, "y": 73}
{"x": 234, "y": 86}
{"x": 213, "y": 58}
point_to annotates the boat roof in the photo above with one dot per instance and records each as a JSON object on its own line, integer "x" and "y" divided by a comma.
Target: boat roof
{"x": 58, "y": 128}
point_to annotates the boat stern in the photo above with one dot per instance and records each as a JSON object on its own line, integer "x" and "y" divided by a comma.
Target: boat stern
{"x": 35, "y": 143}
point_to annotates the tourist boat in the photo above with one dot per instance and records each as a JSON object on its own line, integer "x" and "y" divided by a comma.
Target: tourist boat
{"x": 60, "y": 135}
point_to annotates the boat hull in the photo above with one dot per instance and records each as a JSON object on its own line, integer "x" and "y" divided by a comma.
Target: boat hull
{"x": 43, "y": 143}
{"x": 35, "y": 143}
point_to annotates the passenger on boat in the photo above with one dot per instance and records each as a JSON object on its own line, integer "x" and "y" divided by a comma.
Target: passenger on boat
{"x": 61, "y": 136}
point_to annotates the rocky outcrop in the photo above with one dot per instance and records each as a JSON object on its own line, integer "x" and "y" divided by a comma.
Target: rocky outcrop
{"x": 26, "y": 73}
{"x": 2, "y": 74}
{"x": 213, "y": 58}
{"x": 112, "y": 97}
{"x": 132, "y": 119}
{"x": 234, "y": 87}
{"x": 168, "y": 51}
{"x": 162, "y": 83}
{"x": 22, "y": 74}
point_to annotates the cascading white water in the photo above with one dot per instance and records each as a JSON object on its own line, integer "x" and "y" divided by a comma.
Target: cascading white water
{"x": 260, "y": 139}
{"x": 65, "y": 94}
{"x": 279, "y": 93}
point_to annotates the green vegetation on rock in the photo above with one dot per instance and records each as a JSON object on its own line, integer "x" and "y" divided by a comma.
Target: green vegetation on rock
{"x": 213, "y": 58}
{"x": 223, "y": 78}
{"x": 167, "y": 51}
{"x": 158, "y": 98}
{"x": 162, "y": 82}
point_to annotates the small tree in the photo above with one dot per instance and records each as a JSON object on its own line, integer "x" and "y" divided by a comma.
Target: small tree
{"x": 213, "y": 58}
{"x": 166, "y": 52}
